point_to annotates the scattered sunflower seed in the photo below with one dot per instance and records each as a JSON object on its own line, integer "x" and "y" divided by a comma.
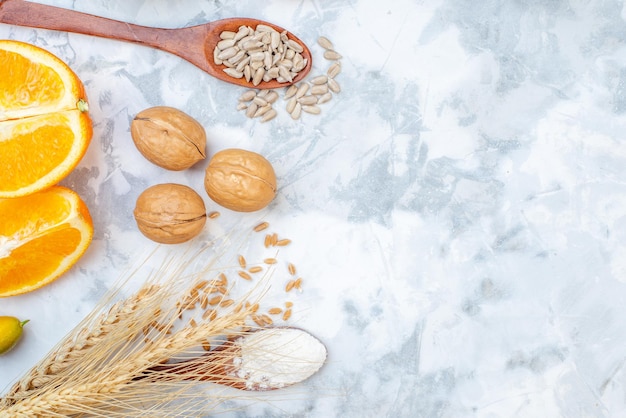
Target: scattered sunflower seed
{"x": 332, "y": 55}
{"x": 325, "y": 43}
{"x": 259, "y": 64}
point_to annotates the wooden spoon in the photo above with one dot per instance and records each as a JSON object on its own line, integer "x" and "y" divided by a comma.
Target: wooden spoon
{"x": 194, "y": 43}
{"x": 260, "y": 360}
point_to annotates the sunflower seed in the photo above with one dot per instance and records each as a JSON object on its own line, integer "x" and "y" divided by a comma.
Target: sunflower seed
{"x": 237, "y": 58}
{"x": 312, "y": 109}
{"x": 307, "y": 100}
{"x": 267, "y": 60}
{"x": 258, "y": 76}
{"x": 320, "y": 89}
{"x": 332, "y": 55}
{"x": 334, "y": 70}
{"x": 228, "y": 53}
{"x": 271, "y": 97}
{"x": 324, "y": 98}
{"x": 334, "y": 86}
{"x": 260, "y": 101}
{"x": 216, "y": 54}
{"x": 242, "y": 63}
{"x": 271, "y": 114}
{"x": 320, "y": 79}
{"x": 284, "y": 73}
{"x": 274, "y": 40}
{"x": 285, "y": 63}
{"x": 265, "y": 28}
{"x": 291, "y": 91}
{"x": 257, "y": 56}
{"x": 273, "y": 72}
{"x": 252, "y": 44}
{"x": 294, "y": 45}
{"x": 251, "y": 110}
{"x": 242, "y": 106}
{"x": 297, "y": 111}
{"x": 291, "y": 104}
{"x": 233, "y": 72}
{"x": 261, "y": 111}
{"x": 302, "y": 90}
{"x": 241, "y": 33}
{"x": 227, "y": 34}
{"x": 226, "y": 43}
{"x": 325, "y": 43}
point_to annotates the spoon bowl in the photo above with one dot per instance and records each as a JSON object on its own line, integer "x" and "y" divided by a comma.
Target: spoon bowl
{"x": 259, "y": 360}
{"x": 194, "y": 43}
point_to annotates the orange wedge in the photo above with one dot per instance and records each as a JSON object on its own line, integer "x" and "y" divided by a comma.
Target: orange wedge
{"x": 42, "y": 235}
{"x": 45, "y": 127}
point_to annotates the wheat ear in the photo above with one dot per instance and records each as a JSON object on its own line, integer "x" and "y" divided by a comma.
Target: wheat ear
{"x": 72, "y": 349}
{"x": 109, "y": 365}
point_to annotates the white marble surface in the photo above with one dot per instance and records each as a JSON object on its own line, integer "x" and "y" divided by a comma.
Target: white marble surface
{"x": 458, "y": 211}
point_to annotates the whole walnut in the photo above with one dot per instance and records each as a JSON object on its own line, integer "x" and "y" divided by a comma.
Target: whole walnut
{"x": 170, "y": 213}
{"x": 169, "y": 137}
{"x": 240, "y": 180}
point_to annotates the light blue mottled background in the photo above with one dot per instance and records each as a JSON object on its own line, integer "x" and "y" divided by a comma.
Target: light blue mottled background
{"x": 458, "y": 211}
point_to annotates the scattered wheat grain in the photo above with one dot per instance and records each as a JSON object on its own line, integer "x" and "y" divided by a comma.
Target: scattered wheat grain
{"x": 287, "y": 315}
{"x": 215, "y": 300}
{"x": 283, "y": 242}
{"x": 226, "y": 303}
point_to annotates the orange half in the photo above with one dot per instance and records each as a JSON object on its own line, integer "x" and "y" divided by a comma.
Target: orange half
{"x": 45, "y": 127}
{"x": 42, "y": 235}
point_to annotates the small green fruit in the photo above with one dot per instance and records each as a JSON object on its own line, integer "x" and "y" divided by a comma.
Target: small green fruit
{"x": 10, "y": 332}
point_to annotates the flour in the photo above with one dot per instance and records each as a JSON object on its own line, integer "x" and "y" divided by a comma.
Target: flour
{"x": 278, "y": 357}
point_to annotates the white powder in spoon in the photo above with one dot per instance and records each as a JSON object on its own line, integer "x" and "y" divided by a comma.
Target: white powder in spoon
{"x": 276, "y": 357}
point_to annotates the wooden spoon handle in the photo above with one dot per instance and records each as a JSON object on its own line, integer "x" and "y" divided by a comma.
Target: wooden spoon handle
{"x": 186, "y": 42}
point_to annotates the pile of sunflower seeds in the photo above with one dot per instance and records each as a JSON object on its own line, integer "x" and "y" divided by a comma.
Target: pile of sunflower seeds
{"x": 260, "y": 54}
{"x": 303, "y": 97}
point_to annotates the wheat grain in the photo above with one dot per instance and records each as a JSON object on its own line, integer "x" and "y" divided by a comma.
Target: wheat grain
{"x": 260, "y": 227}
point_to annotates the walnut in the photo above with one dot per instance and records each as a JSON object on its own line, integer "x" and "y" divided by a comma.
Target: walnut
{"x": 170, "y": 213}
{"x": 240, "y": 180}
{"x": 169, "y": 137}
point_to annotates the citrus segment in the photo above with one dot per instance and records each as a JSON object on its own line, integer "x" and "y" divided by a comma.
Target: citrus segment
{"x": 35, "y": 81}
{"x": 44, "y": 126}
{"x": 39, "y": 151}
{"x": 42, "y": 235}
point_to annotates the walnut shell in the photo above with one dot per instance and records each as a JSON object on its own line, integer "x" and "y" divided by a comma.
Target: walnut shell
{"x": 170, "y": 213}
{"x": 240, "y": 180}
{"x": 169, "y": 137}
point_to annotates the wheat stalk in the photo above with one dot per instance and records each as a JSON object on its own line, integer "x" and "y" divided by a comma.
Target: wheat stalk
{"x": 111, "y": 364}
{"x": 71, "y": 350}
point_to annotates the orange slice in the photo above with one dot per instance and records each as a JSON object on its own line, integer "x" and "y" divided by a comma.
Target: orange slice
{"x": 42, "y": 235}
{"x": 45, "y": 128}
